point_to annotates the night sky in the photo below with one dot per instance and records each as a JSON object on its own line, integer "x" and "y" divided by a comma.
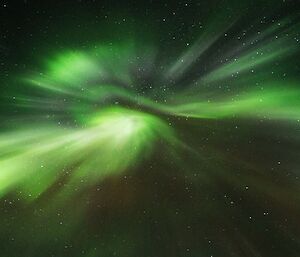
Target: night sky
{"x": 150, "y": 128}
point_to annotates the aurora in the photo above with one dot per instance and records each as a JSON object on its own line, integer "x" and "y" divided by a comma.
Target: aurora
{"x": 150, "y": 129}
{"x": 114, "y": 140}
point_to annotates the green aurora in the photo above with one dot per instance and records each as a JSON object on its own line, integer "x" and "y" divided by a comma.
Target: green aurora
{"x": 80, "y": 82}
{"x": 114, "y": 140}
{"x": 123, "y": 136}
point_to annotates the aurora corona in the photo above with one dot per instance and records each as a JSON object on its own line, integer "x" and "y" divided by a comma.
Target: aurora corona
{"x": 114, "y": 139}
{"x": 146, "y": 132}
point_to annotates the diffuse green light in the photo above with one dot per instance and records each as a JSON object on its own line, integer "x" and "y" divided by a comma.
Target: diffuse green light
{"x": 274, "y": 102}
{"x": 112, "y": 141}
{"x": 77, "y": 84}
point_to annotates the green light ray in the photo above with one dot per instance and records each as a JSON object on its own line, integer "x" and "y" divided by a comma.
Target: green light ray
{"x": 75, "y": 85}
{"x": 272, "y": 51}
{"x": 212, "y": 33}
{"x": 113, "y": 140}
{"x": 279, "y": 101}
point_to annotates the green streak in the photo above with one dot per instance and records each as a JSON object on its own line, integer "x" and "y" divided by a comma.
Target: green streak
{"x": 111, "y": 142}
{"x": 75, "y": 85}
{"x": 251, "y": 60}
{"x": 275, "y": 102}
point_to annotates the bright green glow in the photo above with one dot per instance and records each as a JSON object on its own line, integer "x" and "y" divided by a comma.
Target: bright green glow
{"x": 70, "y": 71}
{"x": 76, "y": 81}
{"x": 72, "y": 67}
{"x": 114, "y": 140}
{"x": 75, "y": 85}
